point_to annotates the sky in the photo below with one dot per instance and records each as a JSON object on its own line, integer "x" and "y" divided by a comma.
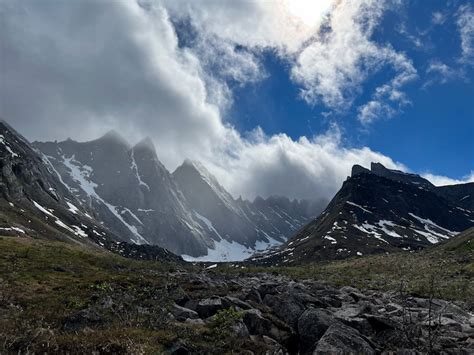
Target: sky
{"x": 272, "y": 96}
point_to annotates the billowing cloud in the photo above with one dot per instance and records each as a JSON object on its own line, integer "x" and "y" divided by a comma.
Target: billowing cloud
{"x": 333, "y": 67}
{"x": 314, "y": 167}
{"x": 440, "y": 180}
{"x": 76, "y": 69}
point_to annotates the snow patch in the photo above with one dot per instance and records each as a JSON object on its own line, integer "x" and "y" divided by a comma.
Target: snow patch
{"x": 137, "y": 173}
{"x": 13, "y": 229}
{"x": 7, "y": 147}
{"x": 358, "y": 206}
{"x": 73, "y": 209}
{"x": 82, "y": 176}
{"x": 432, "y": 232}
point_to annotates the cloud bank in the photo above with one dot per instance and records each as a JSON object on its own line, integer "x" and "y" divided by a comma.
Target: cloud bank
{"x": 77, "y": 69}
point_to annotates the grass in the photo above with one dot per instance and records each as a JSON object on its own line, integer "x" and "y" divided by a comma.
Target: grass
{"x": 44, "y": 284}
{"x": 453, "y": 272}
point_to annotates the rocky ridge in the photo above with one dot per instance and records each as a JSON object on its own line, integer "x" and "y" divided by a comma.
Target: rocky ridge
{"x": 187, "y": 212}
{"x": 377, "y": 211}
{"x": 34, "y": 202}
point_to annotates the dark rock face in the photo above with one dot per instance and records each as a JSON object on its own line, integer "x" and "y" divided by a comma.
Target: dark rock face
{"x": 374, "y": 212}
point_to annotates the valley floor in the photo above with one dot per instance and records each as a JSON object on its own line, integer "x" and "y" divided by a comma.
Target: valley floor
{"x": 58, "y": 298}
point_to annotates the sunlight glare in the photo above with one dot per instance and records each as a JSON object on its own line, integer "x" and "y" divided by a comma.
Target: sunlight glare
{"x": 310, "y": 12}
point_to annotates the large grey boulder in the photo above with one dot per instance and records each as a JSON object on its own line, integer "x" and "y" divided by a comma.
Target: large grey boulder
{"x": 340, "y": 339}
{"x": 182, "y": 313}
{"x": 257, "y": 324}
{"x": 312, "y": 325}
{"x": 285, "y": 307}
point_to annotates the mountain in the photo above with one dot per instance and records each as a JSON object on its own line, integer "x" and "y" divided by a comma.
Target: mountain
{"x": 187, "y": 212}
{"x": 376, "y": 211}
{"x": 252, "y": 225}
{"x": 35, "y": 202}
{"x": 129, "y": 190}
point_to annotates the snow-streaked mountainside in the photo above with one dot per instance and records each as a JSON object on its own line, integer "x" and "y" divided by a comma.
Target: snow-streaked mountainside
{"x": 34, "y": 201}
{"x": 241, "y": 227}
{"x": 379, "y": 210}
{"x": 187, "y": 212}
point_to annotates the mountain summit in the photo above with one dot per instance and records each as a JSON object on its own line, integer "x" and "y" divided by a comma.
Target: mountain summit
{"x": 376, "y": 211}
{"x": 187, "y": 212}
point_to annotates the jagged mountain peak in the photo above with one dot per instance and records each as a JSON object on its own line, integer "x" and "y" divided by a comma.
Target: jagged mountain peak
{"x": 196, "y": 168}
{"x": 379, "y": 169}
{"x": 374, "y": 212}
{"x": 115, "y": 137}
{"x": 9, "y": 130}
{"x": 146, "y": 143}
{"x": 146, "y": 150}
{"x": 359, "y": 169}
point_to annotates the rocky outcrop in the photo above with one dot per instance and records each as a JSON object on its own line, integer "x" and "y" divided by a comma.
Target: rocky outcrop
{"x": 309, "y": 317}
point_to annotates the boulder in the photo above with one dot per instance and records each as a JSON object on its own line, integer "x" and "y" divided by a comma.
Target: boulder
{"x": 285, "y": 307}
{"x": 254, "y": 296}
{"x": 257, "y": 324}
{"x": 312, "y": 325}
{"x": 195, "y": 321}
{"x": 209, "y": 306}
{"x": 268, "y": 288}
{"x": 340, "y": 339}
{"x": 230, "y": 301}
{"x": 181, "y": 313}
{"x": 81, "y": 319}
{"x": 239, "y": 329}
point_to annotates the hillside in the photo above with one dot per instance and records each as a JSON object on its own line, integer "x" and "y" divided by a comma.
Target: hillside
{"x": 62, "y": 298}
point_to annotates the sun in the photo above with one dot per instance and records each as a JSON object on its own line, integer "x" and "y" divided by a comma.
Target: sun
{"x": 309, "y": 12}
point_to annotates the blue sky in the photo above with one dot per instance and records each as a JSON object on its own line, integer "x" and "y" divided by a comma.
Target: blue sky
{"x": 433, "y": 133}
{"x": 277, "y": 97}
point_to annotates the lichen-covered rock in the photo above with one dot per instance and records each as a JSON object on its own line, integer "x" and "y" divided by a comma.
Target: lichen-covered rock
{"x": 340, "y": 339}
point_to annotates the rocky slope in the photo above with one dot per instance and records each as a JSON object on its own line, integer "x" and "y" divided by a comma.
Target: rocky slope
{"x": 34, "y": 202}
{"x": 187, "y": 212}
{"x": 98, "y": 303}
{"x": 376, "y": 211}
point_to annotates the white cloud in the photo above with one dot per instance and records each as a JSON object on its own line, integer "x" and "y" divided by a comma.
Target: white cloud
{"x": 256, "y": 24}
{"x": 305, "y": 168}
{"x": 465, "y": 23}
{"x": 440, "y": 180}
{"x": 80, "y": 68}
{"x": 333, "y": 68}
{"x": 440, "y": 72}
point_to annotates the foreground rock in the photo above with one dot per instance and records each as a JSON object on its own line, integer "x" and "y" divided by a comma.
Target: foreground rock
{"x": 309, "y": 317}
